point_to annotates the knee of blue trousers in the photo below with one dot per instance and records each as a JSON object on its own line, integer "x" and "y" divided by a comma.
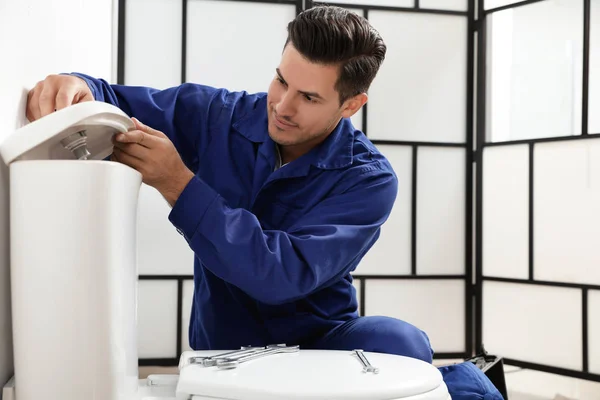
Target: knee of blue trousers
{"x": 413, "y": 342}
{"x": 393, "y": 336}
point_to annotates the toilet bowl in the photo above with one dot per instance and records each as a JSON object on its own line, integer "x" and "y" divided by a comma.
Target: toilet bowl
{"x": 305, "y": 374}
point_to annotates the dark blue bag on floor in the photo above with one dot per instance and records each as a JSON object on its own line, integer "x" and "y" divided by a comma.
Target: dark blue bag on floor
{"x": 465, "y": 381}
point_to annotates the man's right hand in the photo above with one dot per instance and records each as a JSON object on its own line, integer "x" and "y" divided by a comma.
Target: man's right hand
{"x": 55, "y": 93}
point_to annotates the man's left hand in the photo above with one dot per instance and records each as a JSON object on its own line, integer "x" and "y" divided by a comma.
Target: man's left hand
{"x": 152, "y": 154}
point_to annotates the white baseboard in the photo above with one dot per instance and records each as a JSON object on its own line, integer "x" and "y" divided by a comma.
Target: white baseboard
{"x": 8, "y": 391}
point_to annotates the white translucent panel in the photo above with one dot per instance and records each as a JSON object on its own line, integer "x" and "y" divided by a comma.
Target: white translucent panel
{"x": 594, "y": 82}
{"x": 391, "y": 254}
{"x": 153, "y": 43}
{"x": 390, "y": 3}
{"x": 594, "y": 331}
{"x": 356, "y": 284}
{"x": 420, "y": 91}
{"x": 489, "y": 4}
{"x": 567, "y": 212}
{"x": 232, "y": 44}
{"x": 161, "y": 249}
{"x": 357, "y": 11}
{"x": 441, "y": 195}
{"x": 435, "y": 306}
{"x": 528, "y": 47}
{"x": 452, "y": 5}
{"x": 187, "y": 298}
{"x": 506, "y": 211}
{"x": 157, "y": 319}
{"x": 533, "y": 323}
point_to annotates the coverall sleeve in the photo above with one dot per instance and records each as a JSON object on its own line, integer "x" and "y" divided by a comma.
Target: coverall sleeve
{"x": 276, "y": 267}
{"x": 183, "y": 113}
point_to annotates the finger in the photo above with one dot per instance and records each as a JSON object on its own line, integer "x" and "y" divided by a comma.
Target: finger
{"x": 65, "y": 97}
{"x": 136, "y": 136}
{"x": 133, "y": 149}
{"x": 127, "y": 159}
{"x": 46, "y": 100}
{"x": 34, "y": 103}
{"x": 82, "y": 96}
{"x": 145, "y": 128}
{"x": 33, "y": 109}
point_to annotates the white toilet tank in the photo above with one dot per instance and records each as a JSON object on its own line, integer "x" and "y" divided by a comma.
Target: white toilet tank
{"x": 73, "y": 257}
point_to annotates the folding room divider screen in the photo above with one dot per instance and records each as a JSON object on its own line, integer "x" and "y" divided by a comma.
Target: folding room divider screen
{"x": 452, "y": 255}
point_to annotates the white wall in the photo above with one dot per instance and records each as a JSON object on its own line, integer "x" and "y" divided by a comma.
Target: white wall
{"x": 38, "y": 38}
{"x": 535, "y": 63}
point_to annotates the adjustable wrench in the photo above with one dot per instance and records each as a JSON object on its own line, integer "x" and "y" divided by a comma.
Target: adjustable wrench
{"x": 211, "y": 361}
{"x": 230, "y": 363}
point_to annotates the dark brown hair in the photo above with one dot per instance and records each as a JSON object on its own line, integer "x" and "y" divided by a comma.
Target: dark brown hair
{"x": 332, "y": 35}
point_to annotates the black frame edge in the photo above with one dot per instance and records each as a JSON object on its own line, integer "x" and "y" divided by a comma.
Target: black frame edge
{"x": 543, "y": 140}
{"x": 510, "y": 6}
{"x": 480, "y": 133}
{"x": 413, "y": 222}
{"x": 417, "y": 143}
{"x": 585, "y": 92}
{"x": 531, "y": 211}
{"x": 184, "y": 19}
{"x": 584, "y": 331}
{"x": 179, "y": 314}
{"x": 121, "y": 18}
{"x": 363, "y": 286}
{"x": 557, "y": 284}
{"x": 158, "y": 362}
{"x": 470, "y": 111}
{"x": 552, "y": 370}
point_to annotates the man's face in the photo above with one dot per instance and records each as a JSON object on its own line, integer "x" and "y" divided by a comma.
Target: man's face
{"x": 303, "y": 105}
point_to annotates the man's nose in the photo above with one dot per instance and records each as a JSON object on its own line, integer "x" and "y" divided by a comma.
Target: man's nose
{"x": 285, "y": 108}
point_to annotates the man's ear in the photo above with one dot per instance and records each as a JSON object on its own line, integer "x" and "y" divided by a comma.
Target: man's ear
{"x": 353, "y": 104}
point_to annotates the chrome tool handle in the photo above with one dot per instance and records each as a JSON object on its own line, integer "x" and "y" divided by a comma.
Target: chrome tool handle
{"x": 367, "y": 367}
{"x": 211, "y": 361}
{"x": 229, "y": 363}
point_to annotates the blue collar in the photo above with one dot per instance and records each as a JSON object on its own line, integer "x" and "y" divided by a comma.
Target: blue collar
{"x": 333, "y": 153}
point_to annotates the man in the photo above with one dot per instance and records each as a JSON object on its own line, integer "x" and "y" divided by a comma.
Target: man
{"x": 277, "y": 194}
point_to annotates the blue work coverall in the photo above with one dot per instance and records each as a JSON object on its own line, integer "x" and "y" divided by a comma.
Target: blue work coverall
{"x": 274, "y": 247}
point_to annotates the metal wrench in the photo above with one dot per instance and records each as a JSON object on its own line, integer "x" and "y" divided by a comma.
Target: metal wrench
{"x": 211, "y": 361}
{"x": 230, "y": 363}
{"x": 367, "y": 367}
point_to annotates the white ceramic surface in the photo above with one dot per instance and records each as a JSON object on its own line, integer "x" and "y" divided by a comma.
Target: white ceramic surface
{"x": 315, "y": 375}
{"x": 73, "y": 259}
{"x": 73, "y": 275}
{"x": 40, "y": 140}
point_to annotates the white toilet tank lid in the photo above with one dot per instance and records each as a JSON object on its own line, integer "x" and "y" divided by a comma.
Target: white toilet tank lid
{"x": 41, "y": 139}
{"x": 312, "y": 374}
